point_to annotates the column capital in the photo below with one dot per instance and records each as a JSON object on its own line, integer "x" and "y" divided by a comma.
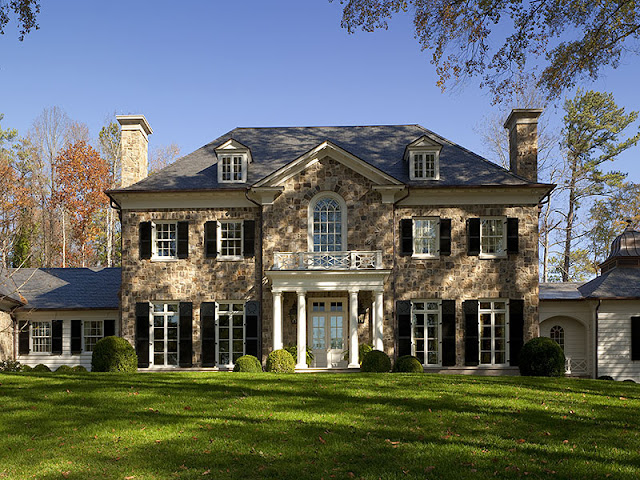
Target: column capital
{"x": 353, "y": 290}
{"x": 276, "y": 292}
{"x": 301, "y": 292}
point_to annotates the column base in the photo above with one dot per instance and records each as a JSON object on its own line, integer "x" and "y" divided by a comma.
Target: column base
{"x": 299, "y": 366}
{"x": 353, "y": 365}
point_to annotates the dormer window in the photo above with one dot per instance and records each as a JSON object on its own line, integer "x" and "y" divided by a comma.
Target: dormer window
{"x": 423, "y": 157}
{"x": 233, "y": 162}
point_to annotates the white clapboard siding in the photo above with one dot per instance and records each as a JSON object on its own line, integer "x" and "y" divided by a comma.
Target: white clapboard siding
{"x": 66, "y": 358}
{"x": 614, "y": 339}
{"x": 575, "y": 337}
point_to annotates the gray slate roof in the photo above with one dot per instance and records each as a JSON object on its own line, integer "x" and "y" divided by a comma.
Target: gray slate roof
{"x": 380, "y": 146}
{"x": 560, "y": 291}
{"x": 8, "y": 290}
{"x": 618, "y": 282}
{"x": 69, "y": 288}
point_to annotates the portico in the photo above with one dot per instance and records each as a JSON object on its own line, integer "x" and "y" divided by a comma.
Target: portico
{"x": 347, "y": 285}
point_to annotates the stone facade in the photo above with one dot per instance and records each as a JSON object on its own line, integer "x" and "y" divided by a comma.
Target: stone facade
{"x": 134, "y": 147}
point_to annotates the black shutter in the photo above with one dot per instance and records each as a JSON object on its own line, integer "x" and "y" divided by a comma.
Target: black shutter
{"x": 249, "y": 245}
{"x": 252, "y": 328}
{"x": 23, "y": 338}
{"x": 403, "y": 314}
{"x": 76, "y": 336}
{"x": 145, "y": 239}
{"x": 445, "y": 236}
{"x": 473, "y": 236}
{"x": 471, "y": 347}
{"x": 109, "y": 328}
{"x": 211, "y": 239}
{"x": 512, "y": 235}
{"x": 516, "y": 331}
{"x": 448, "y": 333}
{"x": 56, "y": 337}
{"x": 142, "y": 334}
{"x": 406, "y": 236}
{"x": 183, "y": 239}
{"x": 635, "y": 338}
{"x": 186, "y": 335}
{"x": 208, "y": 331}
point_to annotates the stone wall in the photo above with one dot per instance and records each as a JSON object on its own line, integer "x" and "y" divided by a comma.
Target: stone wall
{"x": 6, "y": 336}
{"x": 196, "y": 279}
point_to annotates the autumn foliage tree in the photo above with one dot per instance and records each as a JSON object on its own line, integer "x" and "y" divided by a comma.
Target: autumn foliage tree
{"x": 82, "y": 179}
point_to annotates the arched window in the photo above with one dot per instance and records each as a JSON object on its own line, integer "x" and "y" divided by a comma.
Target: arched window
{"x": 327, "y": 223}
{"x": 557, "y": 335}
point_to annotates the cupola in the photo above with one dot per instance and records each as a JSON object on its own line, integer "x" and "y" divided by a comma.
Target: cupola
{"x": 625, "y": 250}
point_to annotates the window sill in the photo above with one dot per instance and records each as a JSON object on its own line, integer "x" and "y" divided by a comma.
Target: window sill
{"x": 230, "y": 259}
{"x": 164, "y": 259}
{"x": 491, "y": 256}
{"x": 422, "y": 256}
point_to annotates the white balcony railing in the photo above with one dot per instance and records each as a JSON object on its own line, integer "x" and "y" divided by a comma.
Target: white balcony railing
{"x": 327, "y": 260}
{"x": 575, "y": 366}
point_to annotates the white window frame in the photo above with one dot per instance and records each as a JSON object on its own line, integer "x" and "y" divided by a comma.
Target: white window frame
{"x": 424, "y": 152}
{"x": 85, "y": 336}
{"x": 230, "y": 157}
{"x": 343, "y": 219}
{"x": 502, "y": 253}
{"x": 165, "y": 313}
{"x": 436, "y": 253}
{"x": 32, "y": 337}
{"x": 154, "y": 240}
{"x": 220, "y": 313}
{"x": 559, "y": 339}
{"x": 493, "y": 310}
{"x": 220, "y": 239}
{"x": 425, "y": 311}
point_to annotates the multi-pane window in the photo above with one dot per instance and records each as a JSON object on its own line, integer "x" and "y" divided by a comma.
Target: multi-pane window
{"x": 41, "y": 337}
{"x": 425, "y": 236}
{"x": 165, "y": 240}
{"x": 318, "y": 327}
{"x": 230, "y": 332}
{"x": 336, "y": 319}
{"x": 557, "y": 335}
{"x": 424, "y": 165}
{"x": 231, "y": 239}
{"x": 493, "y": 332}
{"x": 165, "y": 334}
{"x": 426, "y": 332}
{"x": 492, "y": 236}
{"x": 93, "y": 331}
{"x": 232, "y": 168}
{"x": 327, "y": 225}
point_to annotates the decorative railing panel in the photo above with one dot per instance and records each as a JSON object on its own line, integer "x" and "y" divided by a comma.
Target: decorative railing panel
{"x": 355, "y": 260}
{"x": 575, "y": 366}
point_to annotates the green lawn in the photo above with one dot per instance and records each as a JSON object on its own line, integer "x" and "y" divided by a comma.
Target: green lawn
{"x": 207, "y": 425}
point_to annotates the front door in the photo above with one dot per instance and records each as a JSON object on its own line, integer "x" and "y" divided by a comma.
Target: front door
{"x": 327, "y": 331}
{"x": 165, "y": 335}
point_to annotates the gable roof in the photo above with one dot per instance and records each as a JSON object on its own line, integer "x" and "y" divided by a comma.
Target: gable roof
{"x": 8, "y": 291}
{"x": 69, "y": 288}
{"x": 381, "y": 147}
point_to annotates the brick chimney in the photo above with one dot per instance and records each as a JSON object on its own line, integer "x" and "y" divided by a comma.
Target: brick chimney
{"x": 522, "y": 125}
{"x": 135, "y": 148}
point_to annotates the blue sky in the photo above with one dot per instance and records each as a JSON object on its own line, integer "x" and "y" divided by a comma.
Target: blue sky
{"x": 197, "y": 69}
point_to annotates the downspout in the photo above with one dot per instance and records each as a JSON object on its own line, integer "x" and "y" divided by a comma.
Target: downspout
{"x": 395, "y": 274}
{"x": 259, "y": 263}
{"x": 595, "y": 343}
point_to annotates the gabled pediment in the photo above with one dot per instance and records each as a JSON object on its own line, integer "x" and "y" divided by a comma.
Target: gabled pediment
{"x": 327, "y": 149}
{"x": 233, "y": 146}
{"x": 424, "y": 143}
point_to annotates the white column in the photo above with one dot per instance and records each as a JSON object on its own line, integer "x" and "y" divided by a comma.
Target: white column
{"x": 377, "y": 321}
{"x": 277, "y": 320}
{"x": 302, "y": 330}
{"x": 353, "y": 329}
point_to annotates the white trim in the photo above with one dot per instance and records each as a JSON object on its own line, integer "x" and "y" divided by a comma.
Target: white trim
{"x": 503, "y": 252}
{"x": 446, "y": 196}
{"x": 219, "y": 241}
{"x": 182, "y": 200}
{"x": 346, "y": 307}
{"x": 324, "y": 149}
{"x": 164, "y": 315}
{"x": 154, "y": 245}
{"x": 50, "y": 337}
{"x": 343, "y": 218}
{"x": 231, "y": 157}
{"x": 83, "y": 342}
{"x": 424, "y": 152}
{"x": 426, "y": 311}
{"x": 327, "y": 280}
{"x": 507, "y": 344}
{"x": 436, "y": 254}
{"x": 230, "y": 339}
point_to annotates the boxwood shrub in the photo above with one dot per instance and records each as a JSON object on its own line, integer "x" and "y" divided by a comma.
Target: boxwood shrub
{"x": 408, "y": 364}
{"x": 79, "y": 369}
{"x": 280, "y": 361}
{"x": 293, "y": 350}
{"x": 114, "y": 354}
{"x": 376, "y": 361}
{"x": 64, "y": 369}
{"x": 26, "y": 368}
{"x": 541, "y": 357}
{"x": 247, "y": 363}
{"x": 41, "y": 368}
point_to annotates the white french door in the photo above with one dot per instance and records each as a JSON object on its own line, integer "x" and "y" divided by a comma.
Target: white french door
{"x": 165, "y": 334}
{"x": 327, "y": 327}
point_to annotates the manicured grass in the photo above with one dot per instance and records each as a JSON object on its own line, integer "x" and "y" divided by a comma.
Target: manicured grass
{"x": 202, "y": 425}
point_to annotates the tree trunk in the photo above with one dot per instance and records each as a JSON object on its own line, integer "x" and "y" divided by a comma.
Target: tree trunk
{"x": 64, "y": 239}
{"x": 569, "y": 230}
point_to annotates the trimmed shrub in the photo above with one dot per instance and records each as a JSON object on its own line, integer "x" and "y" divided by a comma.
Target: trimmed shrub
{"x": 41, "y": 368}
{"x": 628, "y": 380}
{"x": 376, "y": 361}
{"x": 541, "y": 357}
{"x": 10, "y": 366}
{"x": 26, "y": 368}
{"x": 280, "y": 361}
{"x": 79, "y": 369}
{"x": 606, "y": 377}
{"x": 64, "y": 369}
{"x": 363, "y": 349}
{"x": 408, "y": 364}
{"x": 247, "y": 363}
{"x": 114, "y": 354}
{"x": 293, "y": 350}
